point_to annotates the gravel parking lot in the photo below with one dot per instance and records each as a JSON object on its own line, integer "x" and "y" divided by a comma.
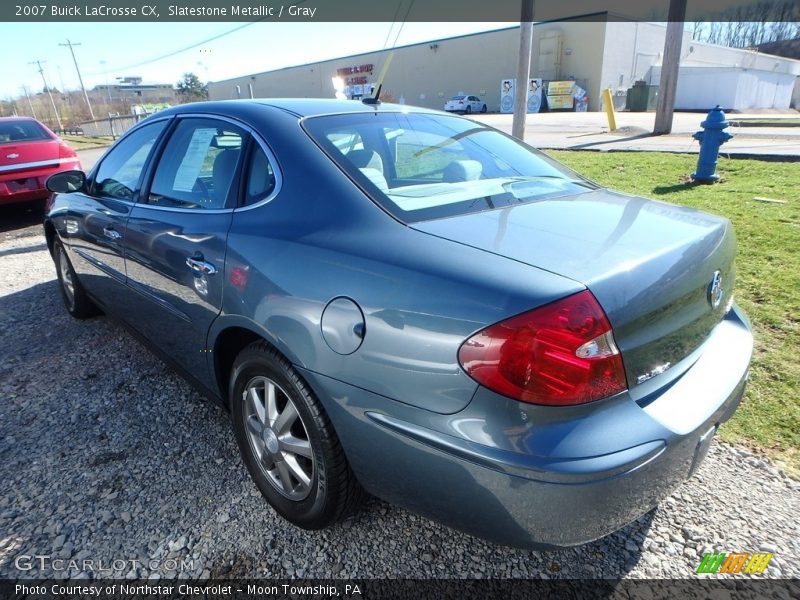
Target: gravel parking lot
{"x": 105, "y": 454}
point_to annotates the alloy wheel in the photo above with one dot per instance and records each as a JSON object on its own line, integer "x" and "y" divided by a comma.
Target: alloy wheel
{"x": 278, "y": 437}
{"x": 67, "y": 282}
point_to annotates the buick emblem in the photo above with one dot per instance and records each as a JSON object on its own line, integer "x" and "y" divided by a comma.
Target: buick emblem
{"x": 12, "y": 156}
{"x": 715, "y": 290}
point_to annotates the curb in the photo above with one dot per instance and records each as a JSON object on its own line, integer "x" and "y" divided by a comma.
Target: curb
{"x": 732, "y": 155}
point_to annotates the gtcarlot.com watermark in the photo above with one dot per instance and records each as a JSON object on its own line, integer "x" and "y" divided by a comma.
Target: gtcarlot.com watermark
{"x": 44, "y": 562}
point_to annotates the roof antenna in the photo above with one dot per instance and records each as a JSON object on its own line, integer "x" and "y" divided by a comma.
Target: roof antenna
{"x": 376, "y": 99}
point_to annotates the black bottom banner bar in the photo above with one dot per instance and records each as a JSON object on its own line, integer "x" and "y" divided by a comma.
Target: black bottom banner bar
{"x": 375, "y": 589}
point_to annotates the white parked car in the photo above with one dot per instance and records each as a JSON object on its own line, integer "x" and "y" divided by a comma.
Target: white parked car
{"x": 465, "y": 104}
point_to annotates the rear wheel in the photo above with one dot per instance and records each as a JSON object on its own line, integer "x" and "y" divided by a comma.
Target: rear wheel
{"x": 287, "y": 441}
{"x": 468, "y": 110}
{"x": 483, "y": 108}
{"x": 75, "y": 299}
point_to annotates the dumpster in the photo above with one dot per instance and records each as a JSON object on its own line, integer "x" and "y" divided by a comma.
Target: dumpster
{"x": 641, "y": 97}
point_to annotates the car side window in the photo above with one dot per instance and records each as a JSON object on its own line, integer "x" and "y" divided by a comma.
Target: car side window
{"x": 119, "y": 174}
{"x": 198, "y": 166}
{"x": 260, "y": 176}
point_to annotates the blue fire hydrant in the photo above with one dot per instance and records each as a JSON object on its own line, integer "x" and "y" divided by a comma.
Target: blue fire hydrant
{"x": 711, "y": 138}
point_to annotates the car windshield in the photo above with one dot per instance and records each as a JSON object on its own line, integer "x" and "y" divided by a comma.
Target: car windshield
{"x": 21, "y": 131}
{"x": 422, "y": 166}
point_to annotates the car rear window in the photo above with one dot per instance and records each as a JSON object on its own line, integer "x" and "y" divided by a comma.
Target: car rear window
{"x": 21, "y": 131}
{"x": 457, "y": 97}
{"x": 422, "y": 166}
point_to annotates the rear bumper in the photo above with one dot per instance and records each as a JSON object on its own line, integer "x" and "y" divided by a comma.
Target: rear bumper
{"x": 533, "y": 476}
{"x": 29, "y": 185}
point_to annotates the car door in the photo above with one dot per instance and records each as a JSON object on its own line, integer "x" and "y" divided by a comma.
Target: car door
{"x": 176, "y": 240}
{"x": 94, "y": 227}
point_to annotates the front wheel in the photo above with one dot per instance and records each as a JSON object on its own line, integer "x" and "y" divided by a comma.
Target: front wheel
{"x": 287, "y": 441}
{"x": 77, "y": 303}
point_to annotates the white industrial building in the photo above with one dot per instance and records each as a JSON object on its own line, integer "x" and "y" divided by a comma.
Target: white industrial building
{"x": 595, "y": 54}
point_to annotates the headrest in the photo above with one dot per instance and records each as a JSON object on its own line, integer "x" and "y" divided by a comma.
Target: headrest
{"x": 366, "y": 159}
{"x": 462, "y": 170}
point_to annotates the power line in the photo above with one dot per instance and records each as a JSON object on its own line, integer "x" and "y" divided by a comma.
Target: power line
{"x": 403, "y": 23}
{"x": 176, "y": 52}
{"x": 80, "y": 79}
{"x": 394, "y": 22}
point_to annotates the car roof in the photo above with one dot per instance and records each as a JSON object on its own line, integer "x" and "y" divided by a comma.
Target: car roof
{"x": 300, "y": 107}
{"x": 19, "y": 118}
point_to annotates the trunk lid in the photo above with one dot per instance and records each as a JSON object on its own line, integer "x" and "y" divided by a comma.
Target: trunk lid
{"x": 28, "y": 155}
{"x": 650, "y": 265}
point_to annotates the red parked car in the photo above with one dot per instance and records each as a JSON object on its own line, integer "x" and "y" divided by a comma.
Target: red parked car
{"x": 29, "y": 154}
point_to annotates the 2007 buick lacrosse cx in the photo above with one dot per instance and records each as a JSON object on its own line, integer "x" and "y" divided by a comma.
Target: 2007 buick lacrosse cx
{"x": 414, "y": 305}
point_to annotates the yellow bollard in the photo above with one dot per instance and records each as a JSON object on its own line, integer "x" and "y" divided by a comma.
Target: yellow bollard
{"x": 609, "y": 102}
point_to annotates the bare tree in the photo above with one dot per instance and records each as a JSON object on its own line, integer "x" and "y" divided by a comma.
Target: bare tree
{"x": 751, "y": 25}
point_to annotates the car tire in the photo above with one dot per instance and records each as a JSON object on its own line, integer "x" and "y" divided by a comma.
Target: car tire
{"x": 77, "y": 303}
{"x": 483, "y": 108}
{"x": 294, "y": 456}
{"x": 468, "y": 110}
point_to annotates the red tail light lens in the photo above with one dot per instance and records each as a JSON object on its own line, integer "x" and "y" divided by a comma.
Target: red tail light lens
{"x": 65, "y": 151}
{"x": 560, "y": 354}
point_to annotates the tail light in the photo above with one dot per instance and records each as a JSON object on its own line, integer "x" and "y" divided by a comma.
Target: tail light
{"x": 560, "y": 354}
{"x": 65, "y": 151}
{"x": 461, "y": 102}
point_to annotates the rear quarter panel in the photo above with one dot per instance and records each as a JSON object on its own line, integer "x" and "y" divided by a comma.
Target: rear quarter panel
{"x": 321, "y": 238}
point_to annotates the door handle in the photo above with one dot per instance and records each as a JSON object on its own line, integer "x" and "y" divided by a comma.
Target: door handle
{"x": 200, "y": 267}
{"x": 112, "y": 233}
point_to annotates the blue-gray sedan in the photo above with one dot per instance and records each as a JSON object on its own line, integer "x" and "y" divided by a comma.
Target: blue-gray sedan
{"x": 415, "y": 305}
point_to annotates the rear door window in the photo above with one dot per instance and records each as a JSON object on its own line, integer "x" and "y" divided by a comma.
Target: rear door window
{"x": 261, "y": 180}
{"x": 199, "y": 165}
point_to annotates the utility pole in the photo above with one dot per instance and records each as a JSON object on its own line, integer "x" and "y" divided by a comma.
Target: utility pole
{"x": 669, "y": 67}
{"x": 83, "y": 87}
{"x": 49, "y": 93}
{"x": 108, "y": 86}
{"x": 523, "y": 70}
{"x": 28, "y": 96}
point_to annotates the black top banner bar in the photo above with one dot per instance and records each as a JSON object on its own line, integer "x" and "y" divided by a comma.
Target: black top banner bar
{"x": 388, "y": 10}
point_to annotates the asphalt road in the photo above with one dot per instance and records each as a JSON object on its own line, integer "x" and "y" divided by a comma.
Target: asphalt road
{"x": 590, "y": 131}
{"x": 90, "y": 157}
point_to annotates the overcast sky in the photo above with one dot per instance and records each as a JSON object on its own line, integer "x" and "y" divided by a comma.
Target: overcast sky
{"x": 111, "y": 50}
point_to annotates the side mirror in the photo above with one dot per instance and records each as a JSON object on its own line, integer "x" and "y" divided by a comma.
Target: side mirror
{"x": 66, "y": 182}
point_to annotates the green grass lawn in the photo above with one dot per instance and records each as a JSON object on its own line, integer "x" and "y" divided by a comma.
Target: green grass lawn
{"x": 772, "y": 122}
{"x": 767, "y": 265}
{"x": 82, "y": 142}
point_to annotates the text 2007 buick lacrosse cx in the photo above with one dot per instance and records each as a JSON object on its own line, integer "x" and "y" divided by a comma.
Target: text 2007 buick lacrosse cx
{"x": 415, "y": 305}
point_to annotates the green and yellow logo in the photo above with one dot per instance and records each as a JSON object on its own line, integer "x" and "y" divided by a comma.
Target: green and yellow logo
{"x": 734, "y": 562}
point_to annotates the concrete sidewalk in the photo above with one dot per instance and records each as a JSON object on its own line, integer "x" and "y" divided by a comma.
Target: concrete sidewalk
{"x": 589, "y": 131}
